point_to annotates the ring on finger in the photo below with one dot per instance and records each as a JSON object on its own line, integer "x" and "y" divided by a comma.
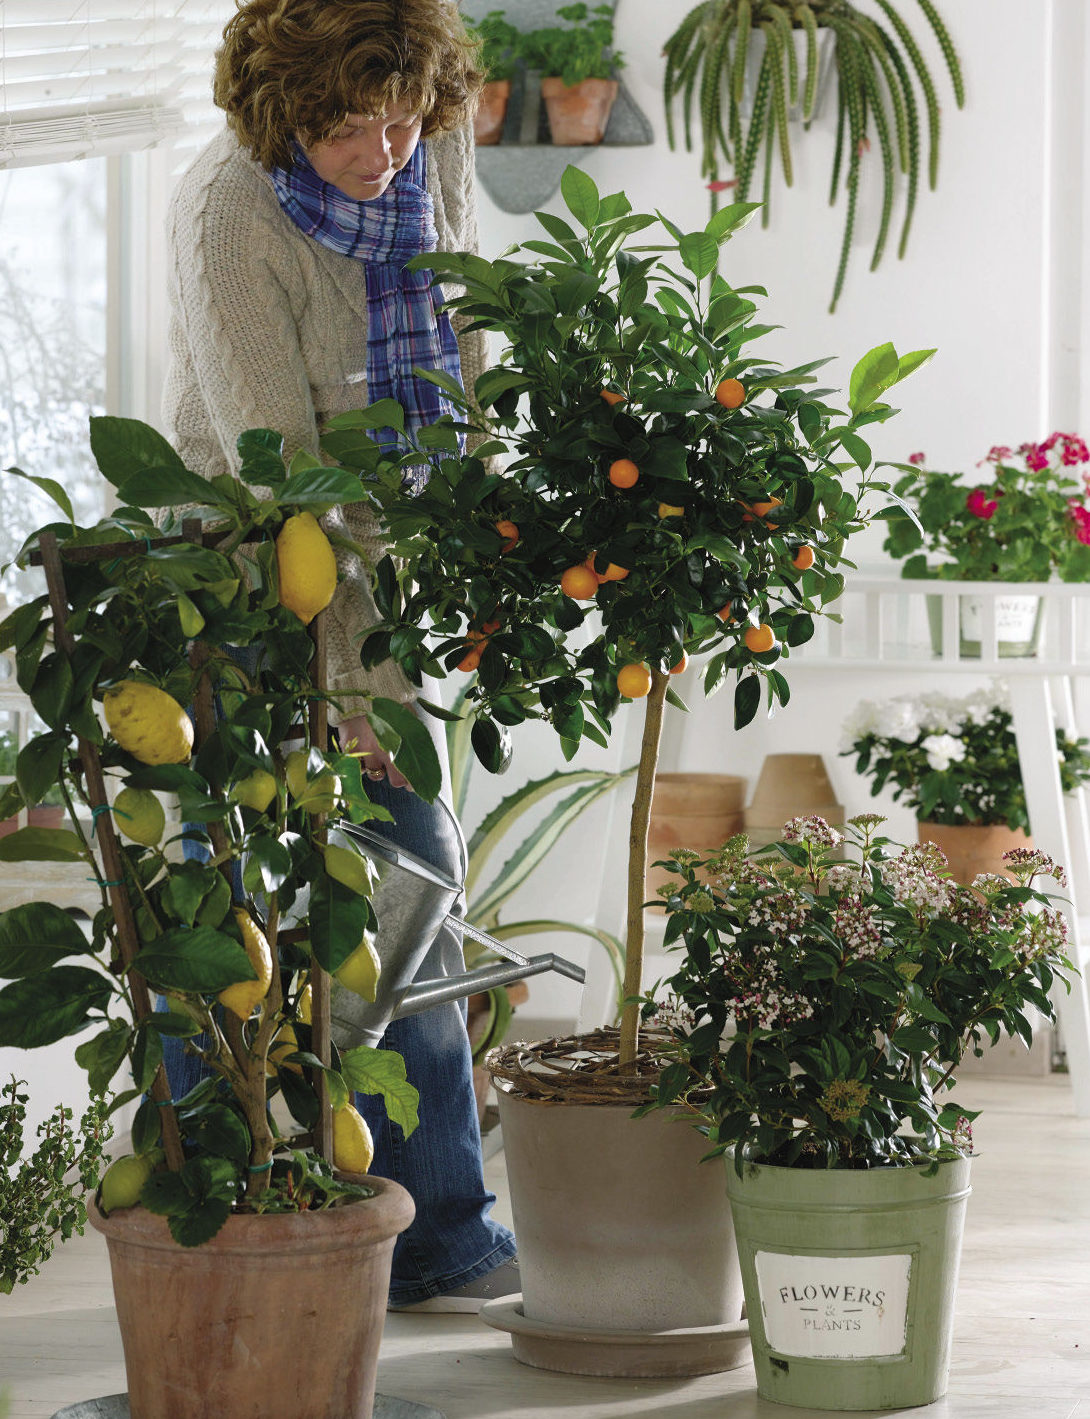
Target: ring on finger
{"x": 375, "y": 774}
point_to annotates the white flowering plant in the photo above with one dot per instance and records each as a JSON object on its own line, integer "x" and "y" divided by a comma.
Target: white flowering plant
{"x": 822, "y": 1005}
{"x": 952, "y": 760}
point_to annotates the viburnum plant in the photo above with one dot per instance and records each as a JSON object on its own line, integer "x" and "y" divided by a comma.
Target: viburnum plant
{"x": 667, "y": 492}
{"x": 139, "y": 627}
{"x": 822, "y": 1006}
{"x": 1029, "y": 518}
{"x": 953, "y": 760}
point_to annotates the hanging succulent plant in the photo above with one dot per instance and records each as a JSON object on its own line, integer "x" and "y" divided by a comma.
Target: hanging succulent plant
{"x": 881, "y": 80}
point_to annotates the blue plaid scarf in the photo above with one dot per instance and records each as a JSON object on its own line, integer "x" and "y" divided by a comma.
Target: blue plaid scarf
{"x": 406, "y": 324}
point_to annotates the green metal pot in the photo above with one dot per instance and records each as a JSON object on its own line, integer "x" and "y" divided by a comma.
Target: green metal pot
{"x": 849, "y": 1280}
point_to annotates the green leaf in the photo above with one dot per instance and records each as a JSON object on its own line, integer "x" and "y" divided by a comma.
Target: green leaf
{"x": 41, "y": 845}
{"x": 731, "y": 219}
{"x": 339, "y": 920}
{"x": 35, "y": 936}
{"x": 49, "y": 1005}
{"x": 323, "y": 487}
{"x": 914, "y": 360}
{"x": 123, "y": 447}
{"x": 268, "y": 866}
{"x": 872, "y": 375}
{"x": 196, "y": 959}
{"x": 580, "y": 195}
{"x": 101, "y": 1055}
{"x": 490, "y": 385}
{"x": 747, "y": 696}
{"x": 858, "y": 450}
{"x": 382, "y": 1071}
{"x": 51, "y": 488}
{"x": 221, "y": 1132}
{"x": 401, "y": 733}
{"x": 38, "y": 766}
{"x": 166, "y": 487}
{"x": 379, "y": 415}
{"x": 699, "y": 252}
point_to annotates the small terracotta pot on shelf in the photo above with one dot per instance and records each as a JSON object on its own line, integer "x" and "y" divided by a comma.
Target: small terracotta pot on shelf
{"x": 790, "y": 786}
{"x": 578, "y": 115}
{"x": 694, "y": 810}
{"x": 491, "y": 112}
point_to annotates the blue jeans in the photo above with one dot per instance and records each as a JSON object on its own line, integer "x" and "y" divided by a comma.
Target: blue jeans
{"x": 452, "y": 1239}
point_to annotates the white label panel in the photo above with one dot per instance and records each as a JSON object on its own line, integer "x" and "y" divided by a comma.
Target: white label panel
{"x": 834, "y": 1306}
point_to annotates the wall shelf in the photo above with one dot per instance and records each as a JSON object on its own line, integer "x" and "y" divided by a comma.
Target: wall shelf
{"x": 523, "y": 170}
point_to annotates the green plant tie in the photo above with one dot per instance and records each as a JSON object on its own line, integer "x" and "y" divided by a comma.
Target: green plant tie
{"x": 260, "y": 1167}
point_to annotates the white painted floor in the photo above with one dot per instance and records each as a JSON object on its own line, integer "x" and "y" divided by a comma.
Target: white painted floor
{"x": 1022, "y": 1348}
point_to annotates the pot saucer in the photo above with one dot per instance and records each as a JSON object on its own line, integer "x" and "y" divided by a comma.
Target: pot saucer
{"x": 637, "y": 1354}
{"x": 116, "y": 1406}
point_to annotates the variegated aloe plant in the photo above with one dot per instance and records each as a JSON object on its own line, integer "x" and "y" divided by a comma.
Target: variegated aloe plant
{"x": 487, "y": 892}
{"x": 879, "y": 68}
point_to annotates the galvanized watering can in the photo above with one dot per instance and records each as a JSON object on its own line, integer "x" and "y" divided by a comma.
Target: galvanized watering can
{"x": 412, "y": 901}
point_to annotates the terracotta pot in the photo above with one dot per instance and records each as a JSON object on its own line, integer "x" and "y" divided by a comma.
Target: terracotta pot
{"x": 790, "y": 786}
{"x": 973, "y": 847}
{"x": 276, "y": 1315}
{"x": 626, "y": 1248}
{"x": 578, "y": 115}
{"x": 491, "y": 112}
{"x": 700, "y": 811}
{"x": 46, "y": 815}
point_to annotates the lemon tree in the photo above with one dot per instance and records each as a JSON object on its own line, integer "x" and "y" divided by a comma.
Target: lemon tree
{"x": 663, "y": 478}
{"x": 148, "y": 616}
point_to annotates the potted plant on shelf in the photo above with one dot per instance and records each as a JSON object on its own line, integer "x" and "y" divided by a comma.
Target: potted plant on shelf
{"x": 822, "y": 1010}
{"x": 578, "y": 65}
{"x": 669, "y": 493}
{"x": 882, "y": 80}
{"x": 499, "y": 49}
{"x": 954, "y": 762}
{"x": 225, "y": 1204}
{"x": 1027, "y": 520}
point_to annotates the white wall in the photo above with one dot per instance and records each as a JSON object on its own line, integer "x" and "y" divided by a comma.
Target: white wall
{"x": 992, "y": 278}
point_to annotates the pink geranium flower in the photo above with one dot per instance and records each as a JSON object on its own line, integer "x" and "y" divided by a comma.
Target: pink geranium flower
{"x": 980, "y": 505}
{"x": 1080, "y": 516}
{"x": 916, "y": 457}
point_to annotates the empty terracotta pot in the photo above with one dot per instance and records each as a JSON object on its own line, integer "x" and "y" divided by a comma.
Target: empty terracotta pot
{"x": 791, "y": 786}
{"x": 972, "y": 848}
{"x": 696, "y": 810}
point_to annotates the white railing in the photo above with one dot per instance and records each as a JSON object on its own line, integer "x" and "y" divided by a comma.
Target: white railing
{"x": 956, "y": 625}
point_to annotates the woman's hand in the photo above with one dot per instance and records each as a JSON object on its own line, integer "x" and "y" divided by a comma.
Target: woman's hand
{"x": 374, "y": 760}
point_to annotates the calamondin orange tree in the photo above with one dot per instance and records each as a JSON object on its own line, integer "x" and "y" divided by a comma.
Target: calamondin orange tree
{"x": 136, "y": 628}
{"x": 667, "y": 492}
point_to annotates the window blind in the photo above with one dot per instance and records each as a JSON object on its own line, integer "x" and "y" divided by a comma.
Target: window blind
{"x": 81, "y": 78}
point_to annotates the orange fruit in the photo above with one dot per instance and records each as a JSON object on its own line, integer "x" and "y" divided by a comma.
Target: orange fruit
{"x": 803, "y": 558}
{"x": 682, "y": 665}
{"x": 634, "y": 681}
{"x": 670, "y": 510}
{"x": 508, "y": 530}
{"x": 613, "y": 398}
{"x": 470, "y": 661}
{"x": 724, "y": 614}
{"x": 623, "y": 473}
{"x": 731, "y": 393}
{"x": 615, "y": 573}
{"x": 491, "y": 627}
{"x": 579, "y": 582}
{"x": 759, "y": 638}
{"x": 599, "y": 577}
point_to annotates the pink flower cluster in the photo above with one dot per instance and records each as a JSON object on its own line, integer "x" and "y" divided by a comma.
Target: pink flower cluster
{"x": 980, "y": 505}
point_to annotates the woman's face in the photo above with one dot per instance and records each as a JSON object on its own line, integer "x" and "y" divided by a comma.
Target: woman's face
{"x": 361, "y": 159}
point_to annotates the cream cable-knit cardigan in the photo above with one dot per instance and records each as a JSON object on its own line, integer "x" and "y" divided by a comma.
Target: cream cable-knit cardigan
{"x": 269, "y": 330}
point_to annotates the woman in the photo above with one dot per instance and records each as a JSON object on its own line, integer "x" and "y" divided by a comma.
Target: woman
{"x": 347, "y": 150}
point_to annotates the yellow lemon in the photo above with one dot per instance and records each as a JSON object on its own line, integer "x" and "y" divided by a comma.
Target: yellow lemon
{"x": 361, "y": 971}
{"x": 306, "y": 565}
{"x": 148, "y": 723}
{"x": 316, "y": 795}
{"x": 287, "y": 1041}
{"x": 123, "y": 1181}
{"x": 256, "y": 790}
{"x": 241, "y": 997}
{"x": 350, "y": 868}
{"x": 140, "y": 816}
{"x": 353, "y": 1146}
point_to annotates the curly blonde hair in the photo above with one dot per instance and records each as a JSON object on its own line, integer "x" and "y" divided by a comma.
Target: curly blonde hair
{"x": 298, "y": 68}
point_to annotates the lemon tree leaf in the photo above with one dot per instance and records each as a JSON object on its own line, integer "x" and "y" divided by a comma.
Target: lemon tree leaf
{"x": 41, "y": 845}
{"x": 339, "y": 918}
{"x": 35, "y": 936}
{"x": 47, "y": 1006}
{"x": 196, "y": 958}
{"x": 124, "y": 446}
{"x": 382, "y": 1071}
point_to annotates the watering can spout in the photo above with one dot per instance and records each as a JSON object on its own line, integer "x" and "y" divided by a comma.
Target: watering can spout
{"x": 438, "y": 992}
